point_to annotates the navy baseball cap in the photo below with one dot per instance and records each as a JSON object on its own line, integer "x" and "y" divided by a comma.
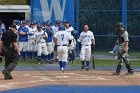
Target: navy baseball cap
{"x": 57, "y": 21}
{"x": 61, "y": 28}
{"x": 48, "y": 23}
{"x": 32, "y": 23}
{"x": 23, "y": 22}
{"x": 28, "y": 20}
{"x": 74, "y": 32}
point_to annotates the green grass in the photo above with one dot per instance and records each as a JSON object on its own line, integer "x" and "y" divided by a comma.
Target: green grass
{"x": 131, "y": 54}
{"x": 103, "y": 62}
{"x": 98, "y": 62}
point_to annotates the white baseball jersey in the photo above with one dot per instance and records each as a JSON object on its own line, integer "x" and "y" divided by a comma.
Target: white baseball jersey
{"x": 69, "y": 30}
{"x": 86, "y": 37}
{"x": 27, "y": 26}
{"x": 55, "y": 29}
{"x": 39, "y": 36}
{"x": 73, "y": 43}
{"x": 32, "y": 31}
{"x": 2, "y": 26}
{"x": 62, "y": 37}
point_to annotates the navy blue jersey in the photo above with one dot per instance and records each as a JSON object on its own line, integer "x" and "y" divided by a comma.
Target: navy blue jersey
{"x": 23, "y": 38}
{"x": 50, "y": 36}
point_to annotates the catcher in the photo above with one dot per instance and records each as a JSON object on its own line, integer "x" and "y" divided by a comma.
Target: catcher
{"x": 123, "y": 42}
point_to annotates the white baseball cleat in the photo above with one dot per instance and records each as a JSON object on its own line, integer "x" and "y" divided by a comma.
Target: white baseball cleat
{"x": 111, "y": 52}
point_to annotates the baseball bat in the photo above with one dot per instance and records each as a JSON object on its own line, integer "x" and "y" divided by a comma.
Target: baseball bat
{"x": 93, "y": 63}
{"x": 93, "y": 60}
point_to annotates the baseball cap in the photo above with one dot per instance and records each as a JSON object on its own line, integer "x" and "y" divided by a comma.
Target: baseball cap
{"x": 28, "y": 20}
{"x": 74, "y": 32}
{"x": 32, "y": 23}
{"x": 23, "y": 22}
{"x": 57, "y": 21}
{"x": 61, "y": 28}
{"x": 48, "y": 23}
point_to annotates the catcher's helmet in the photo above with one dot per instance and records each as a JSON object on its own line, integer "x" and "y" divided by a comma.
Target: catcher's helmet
{"x": 120, "y": 24}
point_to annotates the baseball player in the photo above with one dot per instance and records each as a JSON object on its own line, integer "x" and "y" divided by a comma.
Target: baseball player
{"x": 63, "y": 40}
{"x": 31, "y": 41}
{"x": 23, "y": 39}
{"x": 40, "y": 38}
{"x": 17, "y": 23}
{"x": 43, "y": 25}
{"x": 72, "y": 47}
{"x": 56, "y": 26}
{"x": 28, "y": 22}
{"x": 55, "y": 30}
{"x": 1, "y": 32}
{"x": 49, "y": 41}
{"x": 123, "y": 42}
{"x": 2, "y": 26}
{"x": 115, "y": 50}
{"x": 69, "y": 29}
{"x": 87, "y": 39}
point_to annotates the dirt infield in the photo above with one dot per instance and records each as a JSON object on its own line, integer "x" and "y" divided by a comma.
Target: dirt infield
{"x": 24, "y": 79}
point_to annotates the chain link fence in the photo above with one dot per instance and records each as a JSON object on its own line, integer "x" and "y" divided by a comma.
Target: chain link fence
{"x": 102, "y": 15}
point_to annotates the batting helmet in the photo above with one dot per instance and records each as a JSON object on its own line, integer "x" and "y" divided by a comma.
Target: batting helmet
{"x": 74, "y": 32}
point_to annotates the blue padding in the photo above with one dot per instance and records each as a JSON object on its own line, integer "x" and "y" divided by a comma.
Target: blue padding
{"x": 77, "y": 89}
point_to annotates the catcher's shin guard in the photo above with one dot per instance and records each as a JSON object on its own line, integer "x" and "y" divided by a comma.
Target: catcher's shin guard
{"x": 129, "y": 68}
{"x": 118, "y": 70}
{"x": 127, "y": 64}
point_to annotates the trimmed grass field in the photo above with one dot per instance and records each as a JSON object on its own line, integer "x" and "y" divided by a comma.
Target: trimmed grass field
{"x": 98, "y": 62}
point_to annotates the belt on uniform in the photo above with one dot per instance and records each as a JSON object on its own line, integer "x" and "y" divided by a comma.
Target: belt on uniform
{"x": 61, "y": 45}
{"x": 86, "y": 45}
{"x": 41, "y": 42}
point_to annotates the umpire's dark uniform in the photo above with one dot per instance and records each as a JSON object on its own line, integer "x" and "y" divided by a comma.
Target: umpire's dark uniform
{"x": 9, "y": 39}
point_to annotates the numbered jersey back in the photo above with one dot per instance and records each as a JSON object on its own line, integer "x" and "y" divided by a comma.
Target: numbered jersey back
{"x": 62, "y": 37}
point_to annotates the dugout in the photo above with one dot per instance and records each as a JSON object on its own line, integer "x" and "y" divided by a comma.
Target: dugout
{"x": 11, "y": 12}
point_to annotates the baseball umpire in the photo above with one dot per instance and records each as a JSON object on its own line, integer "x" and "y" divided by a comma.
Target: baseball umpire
{"x": 123, "y": 42}
{"x": 10, "y": 49}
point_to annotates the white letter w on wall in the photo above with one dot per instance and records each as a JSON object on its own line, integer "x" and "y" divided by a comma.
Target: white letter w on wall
{"x": 54, "y": 5}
